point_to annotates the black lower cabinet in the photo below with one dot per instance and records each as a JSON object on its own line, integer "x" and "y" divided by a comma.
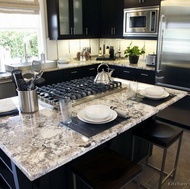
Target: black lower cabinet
{"x": 134, "y": 74}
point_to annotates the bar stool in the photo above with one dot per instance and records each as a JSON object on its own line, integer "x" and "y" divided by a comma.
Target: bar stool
{"x": 162, "y": 135}
{"x": 105, "y": 169}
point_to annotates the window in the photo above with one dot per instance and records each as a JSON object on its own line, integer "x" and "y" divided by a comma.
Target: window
{"x": 20, "y": 31}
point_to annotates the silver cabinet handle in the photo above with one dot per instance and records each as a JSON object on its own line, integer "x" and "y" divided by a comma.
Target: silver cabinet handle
{"x": 74, "y": 72}
{"x": 143, "y": 74}
{"x": 73, "y": 31}
{"x": 91, "y": 69}
{"x": 127, "y": 71}
{"x": 86, "y": 31}
{"x": 111, "y": 31}
{"x": 114, "y": 30}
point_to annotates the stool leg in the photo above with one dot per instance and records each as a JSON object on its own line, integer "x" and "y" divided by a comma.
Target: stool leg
{"x": 162, "y": 168}
{"x": 74, "y": 181}
{"x": 177, "y": 156}
{"x": 139, "y": 181}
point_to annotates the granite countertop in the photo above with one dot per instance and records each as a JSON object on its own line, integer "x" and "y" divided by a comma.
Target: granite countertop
{"x": 38, "y": 144}
{"x": 119, "y": 62}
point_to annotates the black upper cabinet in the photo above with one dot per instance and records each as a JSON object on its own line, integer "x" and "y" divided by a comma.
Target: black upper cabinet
{"x": 140, "y": 3}
{"x": 70, "y": 19}
{"x": 111, "y": 22}
{"x": 91, "y": 18}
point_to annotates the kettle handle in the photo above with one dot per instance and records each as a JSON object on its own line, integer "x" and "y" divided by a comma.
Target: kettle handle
{"x": 101, "y": 65}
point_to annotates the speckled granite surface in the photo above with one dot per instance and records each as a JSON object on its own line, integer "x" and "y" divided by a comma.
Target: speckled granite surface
{"x": 37, "y": 143}
{"x": 120, "y": 62}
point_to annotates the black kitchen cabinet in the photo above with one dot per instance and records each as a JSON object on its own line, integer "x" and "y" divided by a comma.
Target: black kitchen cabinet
{"x": 91, "y": 18}
{"x": 52, "y": 77}
{"x": 140, "y": 3}
{"x": 79, "y": 72}
{"x": 70, "y": 19}
{"x": 145, "y": 76}
{"x": 134, "y": 74}
{"x": 111, "y": 22}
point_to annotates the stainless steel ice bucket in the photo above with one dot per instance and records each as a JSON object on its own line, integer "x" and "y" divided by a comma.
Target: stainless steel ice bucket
{"x": 28, "y": 101}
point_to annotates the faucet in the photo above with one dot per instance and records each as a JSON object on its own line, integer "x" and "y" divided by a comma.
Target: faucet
{"x": 26, "y": 56}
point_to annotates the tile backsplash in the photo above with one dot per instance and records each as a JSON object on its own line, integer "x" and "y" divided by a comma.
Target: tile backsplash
{"x": 68, "y": 48}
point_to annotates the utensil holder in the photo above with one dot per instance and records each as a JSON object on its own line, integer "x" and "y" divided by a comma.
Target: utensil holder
{"x": 28, "y": 101}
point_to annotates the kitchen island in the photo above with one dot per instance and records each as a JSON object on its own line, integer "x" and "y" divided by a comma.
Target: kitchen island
{"x": 38, "y": 144}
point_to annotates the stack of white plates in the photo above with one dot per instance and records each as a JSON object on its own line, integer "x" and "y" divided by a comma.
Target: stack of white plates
{"x": 154, "y": 92}
{"x": 97, "y": 114}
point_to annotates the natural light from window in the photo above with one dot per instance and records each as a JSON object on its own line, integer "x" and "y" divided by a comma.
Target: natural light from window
{"x": 19, "y": 38}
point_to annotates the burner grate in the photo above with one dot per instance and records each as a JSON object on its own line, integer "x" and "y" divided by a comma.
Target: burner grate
{"x": 74, "y": 89}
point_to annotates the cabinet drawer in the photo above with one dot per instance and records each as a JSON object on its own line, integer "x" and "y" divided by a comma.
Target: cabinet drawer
{"x": 127, "y": 73}
{"x": 146, "y": 76}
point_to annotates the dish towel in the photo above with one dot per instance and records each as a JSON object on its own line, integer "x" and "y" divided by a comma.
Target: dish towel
{"x": 121, "y": 113}
{"x": 7, "y": 107}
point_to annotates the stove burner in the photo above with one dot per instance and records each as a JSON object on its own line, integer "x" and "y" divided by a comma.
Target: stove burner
{"x": 74, "y": 89}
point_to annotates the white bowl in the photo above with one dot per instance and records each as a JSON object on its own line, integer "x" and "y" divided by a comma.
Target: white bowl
{"x": 97, "y": 111}
{"x": 154, "y": 91}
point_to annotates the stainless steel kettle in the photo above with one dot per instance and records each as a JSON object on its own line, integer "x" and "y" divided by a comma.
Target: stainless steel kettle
{"x": 103, "y": 77}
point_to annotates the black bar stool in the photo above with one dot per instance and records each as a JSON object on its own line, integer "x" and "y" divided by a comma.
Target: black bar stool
{"x": 105, "y": 169}
{"x": 162, "y": 135}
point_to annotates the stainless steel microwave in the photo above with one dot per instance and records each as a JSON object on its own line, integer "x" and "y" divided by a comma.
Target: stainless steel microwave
{"x": 141, "y": 21}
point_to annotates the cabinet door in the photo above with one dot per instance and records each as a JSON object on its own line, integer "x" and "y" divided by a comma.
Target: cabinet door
{"x": 72, "y": 73}
{"x": 111, "y": 18}
{"x": 73, "y": 19}
{"x": 140, "y": 3}
{"x": 91, "y": 18}
{"x": 145, "y": 76}
{"x": 70, "y": 18}
{"x": 90, "y": 70}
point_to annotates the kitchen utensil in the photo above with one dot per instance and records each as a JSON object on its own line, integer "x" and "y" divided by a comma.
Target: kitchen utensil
{"x": 19, "y": 80}
{"x": 28, "y": 101}
{"x": 36, "y": 66}
{"x": 103, "y": 77}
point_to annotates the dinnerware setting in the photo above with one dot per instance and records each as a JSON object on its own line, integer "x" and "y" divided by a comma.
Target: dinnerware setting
{"x": 154, "y": 93}
{"x": 97, "y": 114}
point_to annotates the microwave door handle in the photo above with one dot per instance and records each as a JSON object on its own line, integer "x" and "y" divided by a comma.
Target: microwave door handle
{"x": 153, "y": 23}
{"x": 160, "y": 42}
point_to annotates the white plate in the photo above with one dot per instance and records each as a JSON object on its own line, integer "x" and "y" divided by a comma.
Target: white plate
{"x": 164, "y": 95}
{"x": 82, "y": 116}
{"x": 97, "y": 112}
{"x": 154, "y": 91}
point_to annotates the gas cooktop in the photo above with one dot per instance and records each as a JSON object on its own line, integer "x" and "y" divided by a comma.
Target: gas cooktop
{"x": 75, "y": 90}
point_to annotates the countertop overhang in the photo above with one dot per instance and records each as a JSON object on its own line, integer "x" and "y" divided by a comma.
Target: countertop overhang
{"x": 38, "y": 144}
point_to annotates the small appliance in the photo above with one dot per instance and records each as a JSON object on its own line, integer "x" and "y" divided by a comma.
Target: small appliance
{"x": 151, "y": 60}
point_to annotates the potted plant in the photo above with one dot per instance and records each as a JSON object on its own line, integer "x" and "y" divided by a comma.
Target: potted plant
{"x": 133, "y": 52}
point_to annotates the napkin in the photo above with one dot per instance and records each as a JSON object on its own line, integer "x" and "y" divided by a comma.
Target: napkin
{"x": 121, "y": 113}
{"x": 7, "y": 107}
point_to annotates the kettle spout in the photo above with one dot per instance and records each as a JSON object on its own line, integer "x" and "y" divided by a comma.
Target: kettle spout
{"x": 110, "y": 73}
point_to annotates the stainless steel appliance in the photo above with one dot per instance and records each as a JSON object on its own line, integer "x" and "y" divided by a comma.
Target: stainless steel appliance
{"x": 173, "y": 52}
{"x": 76, "y": 89}
{"x": 173, "y": 57}
{"x": 141, "y": 21}
{"x": 151, "y": 60}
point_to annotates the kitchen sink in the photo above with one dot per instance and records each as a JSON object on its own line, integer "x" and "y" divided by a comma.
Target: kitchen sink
{"x": 49, "y": 64}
